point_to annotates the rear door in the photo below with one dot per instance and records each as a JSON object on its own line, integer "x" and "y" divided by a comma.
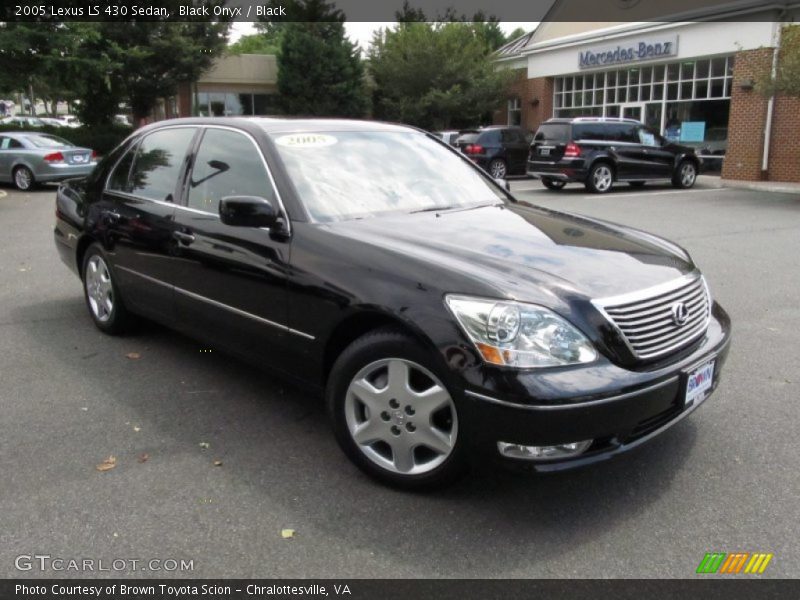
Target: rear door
{"x": 232, "y": 282}
{"x": 516, "y": 149}
{"x": 136, "y": 218}
{"x": 9, "y": 148}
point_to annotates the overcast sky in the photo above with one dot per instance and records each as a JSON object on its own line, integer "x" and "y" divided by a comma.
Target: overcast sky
{"x": 361, "y": 33}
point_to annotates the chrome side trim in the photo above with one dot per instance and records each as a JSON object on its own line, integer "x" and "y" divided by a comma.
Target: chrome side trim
{"x": 508, "y": 404}
{"x": 221, "y": 305}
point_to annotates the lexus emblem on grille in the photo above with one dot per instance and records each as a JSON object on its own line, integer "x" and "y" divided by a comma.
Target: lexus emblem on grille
{"x": 680, "y": 314}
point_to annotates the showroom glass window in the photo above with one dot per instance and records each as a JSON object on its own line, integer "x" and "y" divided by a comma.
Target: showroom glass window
{"x": 227, "y": 164}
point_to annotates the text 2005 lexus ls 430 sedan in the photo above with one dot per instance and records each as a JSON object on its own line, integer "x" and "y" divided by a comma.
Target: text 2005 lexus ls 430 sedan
{"x": 444, "y": 320}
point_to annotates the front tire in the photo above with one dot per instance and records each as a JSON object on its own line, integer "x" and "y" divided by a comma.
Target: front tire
{"x": 102, "y": 294}
{"x": 601, "y": 178}
{"x": 685, "y": 175}
{"x": 24, "y": 179}
{"x": 498, "y": 168}
{"x": 553, "y": 184}
{"x": 392, "y": 413}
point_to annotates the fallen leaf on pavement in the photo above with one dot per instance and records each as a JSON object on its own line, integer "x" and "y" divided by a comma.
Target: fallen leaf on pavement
{"x": 107, "y": 464}
{"x": 133, "y": 355}
{"x": 137, "y": 428}
{"x": 205, "y": 445}
{"x": 287, "y": 533}
{"x": 217, "y": 463}
{"x": 143, "y": 457}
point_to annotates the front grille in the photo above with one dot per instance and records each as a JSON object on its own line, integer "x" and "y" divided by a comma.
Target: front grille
{"x": 647, "y": 321}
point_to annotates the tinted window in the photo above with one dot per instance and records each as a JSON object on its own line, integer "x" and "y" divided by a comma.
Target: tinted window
{"x": 553, "y": 132}
{"x": 158, "y": 163}
{"x": 489, "y": 137}
{"x": 468, "y": 138}
{"x": 227, "y": 164}
{"x": 7, "y": 143}
{"x": 119, "y": 180}
{"x": 622, "y": 132}
{"x": 590, "y": 131}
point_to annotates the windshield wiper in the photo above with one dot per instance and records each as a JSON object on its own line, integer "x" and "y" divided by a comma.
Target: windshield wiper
{"x": 453, "y": 207}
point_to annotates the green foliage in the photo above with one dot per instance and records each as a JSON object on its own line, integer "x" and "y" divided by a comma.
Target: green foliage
{"x": 100, "y": 139}
{"x": 435, "y": 75}
{"x": 787, "y": 76}
{"x": 257, "y": 43}
{"x": 106, "y": 63}
{"x": 319, "y": 69}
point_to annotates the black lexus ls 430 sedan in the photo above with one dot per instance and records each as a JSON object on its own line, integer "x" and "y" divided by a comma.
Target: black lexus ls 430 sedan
{"x": 444, "y": 320}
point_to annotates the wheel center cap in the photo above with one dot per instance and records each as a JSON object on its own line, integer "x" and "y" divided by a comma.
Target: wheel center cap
{"x": 399, "y": 417}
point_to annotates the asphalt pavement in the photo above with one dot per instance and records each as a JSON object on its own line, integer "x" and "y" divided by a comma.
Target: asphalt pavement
{"x": 167, "y": 409}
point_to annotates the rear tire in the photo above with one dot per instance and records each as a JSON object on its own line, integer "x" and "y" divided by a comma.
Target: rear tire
{"x": 553, "y": 184}
{"x": 601, "y": 178}
{"x": 392, "y": 413}
{"x": 102, "y": 294}
{"x": 498, "y": 168}
{"x": 24, "y": 179}
{"x": 685, "y": 175}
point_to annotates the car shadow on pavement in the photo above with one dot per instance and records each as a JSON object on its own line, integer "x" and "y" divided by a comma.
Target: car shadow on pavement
{"x": 280, "y": 457}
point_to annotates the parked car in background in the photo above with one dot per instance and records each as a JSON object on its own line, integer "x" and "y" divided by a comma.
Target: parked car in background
{"x": 123, "y": 120}
{"x": 448, "y": 137}
{"x": 28, "y": 158}
{"x": 22, "y": 121}
{"x": 52, "y": 122}
{"x": 500, "y": 150}
{"x": 70, "y": 121}
{"x": 599, "y": 151}
{"x": 444, "y": 321}
{"x": 712, "y": 149}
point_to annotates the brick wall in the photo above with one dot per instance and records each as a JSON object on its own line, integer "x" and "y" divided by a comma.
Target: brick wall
{"x": 784, "y": 148}
{"x": 747, "y": 117}
{"x": 527, "y": 90}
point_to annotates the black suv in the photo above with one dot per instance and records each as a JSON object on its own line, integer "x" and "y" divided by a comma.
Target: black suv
{"x": 500, "y": 150}
{"x": 597, "y": 152}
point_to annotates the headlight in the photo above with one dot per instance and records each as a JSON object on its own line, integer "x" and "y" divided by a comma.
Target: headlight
{"x": 521, "y": 335}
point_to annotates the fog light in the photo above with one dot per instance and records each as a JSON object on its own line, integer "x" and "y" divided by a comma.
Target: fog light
{"x": 543, "y": 452}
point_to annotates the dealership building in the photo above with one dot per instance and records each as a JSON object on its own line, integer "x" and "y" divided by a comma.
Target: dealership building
{"x": 695, "y": 81}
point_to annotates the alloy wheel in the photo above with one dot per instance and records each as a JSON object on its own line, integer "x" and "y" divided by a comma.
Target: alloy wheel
{"x": 23, "y": 178}
{"x": 602, "y": 178}
{"x": 99, "y": 289}
{"x": 497, "y": 169}
{"x": 688, "y": 174}
{"x": 401, "y": 416}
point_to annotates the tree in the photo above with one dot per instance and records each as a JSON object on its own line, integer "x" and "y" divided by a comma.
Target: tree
{"x": 319, "y": 68}
{"x": 434, "y": 75}
{"x": 787, "y": 75}
{"x": 257, "y": 43}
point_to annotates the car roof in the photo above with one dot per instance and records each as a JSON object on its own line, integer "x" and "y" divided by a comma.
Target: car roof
{"x": 283, "y": 124}
{"x": 608, "y": 120}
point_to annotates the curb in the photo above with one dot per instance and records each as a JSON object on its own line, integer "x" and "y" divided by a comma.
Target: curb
{"x": 763, "y": 186}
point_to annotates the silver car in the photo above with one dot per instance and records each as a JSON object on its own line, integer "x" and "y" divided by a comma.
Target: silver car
{"x": 28, "y": 158}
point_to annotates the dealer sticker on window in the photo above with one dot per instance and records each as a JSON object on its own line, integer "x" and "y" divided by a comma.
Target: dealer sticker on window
{"x": 699, "y": 383}
{"x": 306, "y": 140}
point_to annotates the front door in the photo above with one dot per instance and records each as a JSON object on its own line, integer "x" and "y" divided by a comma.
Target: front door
{"x": 232, "y": 280}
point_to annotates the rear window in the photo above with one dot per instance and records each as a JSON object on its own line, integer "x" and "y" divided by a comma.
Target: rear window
{"x": 489, "y": 137}
{"x": 48, "y": 141}
{"x": 468, "y": 138}
{"x": 553, "y": 132}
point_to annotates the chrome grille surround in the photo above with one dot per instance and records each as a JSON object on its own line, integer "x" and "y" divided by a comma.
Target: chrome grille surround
{"x": 645, "y": 318}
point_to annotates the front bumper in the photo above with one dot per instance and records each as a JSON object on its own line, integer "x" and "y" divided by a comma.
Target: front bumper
{"x": 617, "y": 408}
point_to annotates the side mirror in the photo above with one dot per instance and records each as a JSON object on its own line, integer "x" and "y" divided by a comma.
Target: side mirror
{"x": 248, "y": 211}
{"x": 503, "y": 183}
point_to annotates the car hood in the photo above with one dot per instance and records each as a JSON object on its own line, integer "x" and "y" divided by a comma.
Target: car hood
{"x": 511, "y": 247}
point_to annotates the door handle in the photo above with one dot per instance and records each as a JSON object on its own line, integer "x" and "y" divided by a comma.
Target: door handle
{"x": 183, "y": 238}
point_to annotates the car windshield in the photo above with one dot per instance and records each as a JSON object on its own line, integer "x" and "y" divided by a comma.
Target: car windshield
{"x": 48, "y": 141}
{"x": 347, "y": 175}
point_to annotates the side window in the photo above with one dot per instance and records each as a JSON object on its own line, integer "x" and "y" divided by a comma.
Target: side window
{"x": 647, "y": 137}
{"x": 226, "y": 164}
{"x": 623, "y": 133}
{"x": 119, "y": 181}
{"x": 7, "y": 143}
{"x": 12, "y": 143}
{"x": 4, "y": 141}
{"x": 158, "y": 163}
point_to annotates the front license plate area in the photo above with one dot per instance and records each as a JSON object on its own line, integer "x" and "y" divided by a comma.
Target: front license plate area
{"x": 698, "y": 383}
